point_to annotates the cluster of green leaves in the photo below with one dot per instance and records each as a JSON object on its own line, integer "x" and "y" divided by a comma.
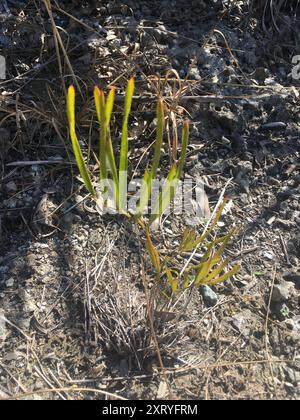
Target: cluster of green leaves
{"x": 212, "y": 268}
{"x": 107, "y": 160}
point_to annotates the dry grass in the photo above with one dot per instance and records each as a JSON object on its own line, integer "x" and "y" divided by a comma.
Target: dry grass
{"x": 117, "y": 302}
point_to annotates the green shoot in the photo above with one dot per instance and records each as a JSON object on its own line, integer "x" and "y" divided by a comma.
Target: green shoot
{"x": 100, "y": 109}
{"x": 84, "y": 172}
{"x": 107, "y": 161}
{"x": 123, "y": 166}
{"x": 212, "y": 268}
{"x": 159, "y": 138}
{"x": 167, "y": 194}
{"x": 123, "y": 163}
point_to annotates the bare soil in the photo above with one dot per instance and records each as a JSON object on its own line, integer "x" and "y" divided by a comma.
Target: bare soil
{"x": 74, "y": 285}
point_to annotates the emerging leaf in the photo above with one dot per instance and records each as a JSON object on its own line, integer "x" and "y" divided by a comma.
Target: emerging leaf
{"x": 100, "y": 109}
{"x": 173, "y": 281}
{"x": 154, "y": 256}
{"x": 84, "y": 172}
{"x": 123, "y": 166}
{"x": 159, "y": 138}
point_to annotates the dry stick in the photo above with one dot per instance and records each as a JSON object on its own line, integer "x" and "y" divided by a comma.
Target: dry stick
{"x": 41, "y": 372}
{"x": 34, "y": 353}
{"x": 29, "y": 339}
{"x": 153, "y": 333}
{"x": 56, "y": 380}
{"x": 230, "y": 52}
{"x": 266, "y": 332}
{"x": 181, "y": 370}
{"x": 285, "y": 249}
{"x": 276, "y": 88}
{"x": 152, "y": 329}
{"x": 39, "y": 162}
{"x": 225, "y": 364}
{"x": 12, "y": 376}
{"x": 54, "y": 30}
{"x": 173, "y": 371}
{"x": 27, "y": 110}
{"x": 18, "y": 124}
{"x": 67, "y": 389}
{"x": 16, "y": 327}
{"x": 43, "y": 376}
{"x": 58, "y": 40}
{"x": 206, "y": 98}
{"x": 273, "y": 16}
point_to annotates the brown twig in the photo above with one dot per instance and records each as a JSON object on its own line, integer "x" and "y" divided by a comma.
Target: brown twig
{"x": 66, "y": 389}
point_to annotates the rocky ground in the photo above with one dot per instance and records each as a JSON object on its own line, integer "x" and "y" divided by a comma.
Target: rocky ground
{"x": 73, "y": 297}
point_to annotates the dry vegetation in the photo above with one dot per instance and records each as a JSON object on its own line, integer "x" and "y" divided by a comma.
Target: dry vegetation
{"x": 81, "y": 313}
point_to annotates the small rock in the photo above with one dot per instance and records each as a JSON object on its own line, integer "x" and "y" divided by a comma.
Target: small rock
{"x": 281, "y": 292}
{"x": 42, "y": 270}
{"x": 218, "y": 167}
{"x": 67, "y": 221}
{"x": 244, "y": 184}
{"x": 28, "y": 302}
{"x": 293, "y": 324}
{"x": 289, "y": 324}
{"x": 269, "y": 255}
{"x": 292, "y": 276}
{"x": 209, "y": 296}
{"x": 227, "y": 119}
{"x": 245, "y": 322}
{"x": 245, "y": 167}
{"x": 111, "y": 35}
{"x": 9, "y": 282}
{"x": 24, "y": 323}
{"x": 162, "y": 392}
{"x": 292, "y": 375}
{"x": 296, "y": 321}
{"x": 194, "y": 73}
{"x": 274, "y": 126}
{"x": 13, "y": 355}
{"x": 3, "y": 395}
{"x": 11, "y": 186}
{"x": 225, "y": 141}
{"x": 260, "y": 74}
{"x": 286, "y": 193}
